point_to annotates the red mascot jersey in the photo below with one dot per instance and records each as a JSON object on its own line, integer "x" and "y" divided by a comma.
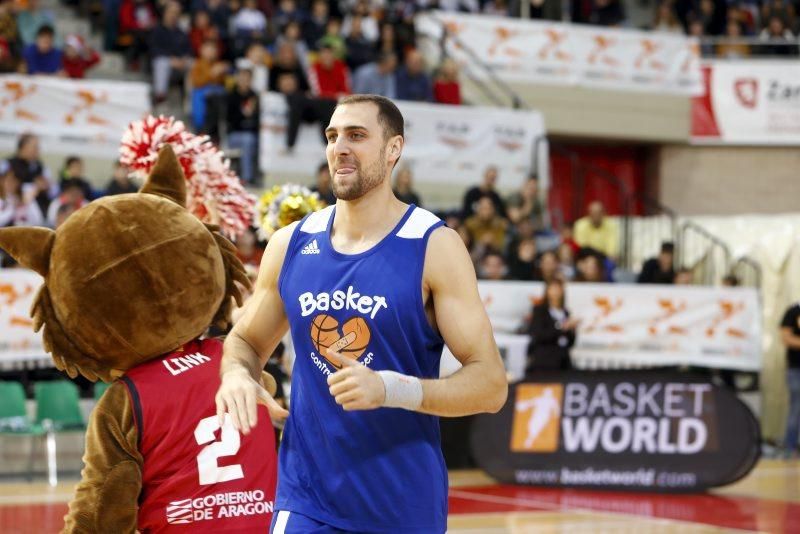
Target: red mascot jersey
{"x": 198, "y": 476}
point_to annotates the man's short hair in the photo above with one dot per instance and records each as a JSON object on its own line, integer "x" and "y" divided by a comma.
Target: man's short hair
{"x": 389, "y": 116}
{"x": 46, "y": 30}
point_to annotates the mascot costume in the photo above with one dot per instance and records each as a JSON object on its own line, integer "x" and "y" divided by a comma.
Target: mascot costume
{"x": 131, "y": 283}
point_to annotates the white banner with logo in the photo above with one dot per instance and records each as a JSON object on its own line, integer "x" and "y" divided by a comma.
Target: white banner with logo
{"x": 18, "y": 288}
{"x": 91, "y": 114}
{"x": 530, "y": 51}
{"x": 450, "y": 145}
{"x": 749, "y": 102}
{"x": 627, "y": 326}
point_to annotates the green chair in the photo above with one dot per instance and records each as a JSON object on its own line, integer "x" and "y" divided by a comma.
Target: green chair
{"x": 57, "y": 401}
{"x": 100, "y": 387}
{"x": 57, "y": 410}
{"x": 14, "y": 419}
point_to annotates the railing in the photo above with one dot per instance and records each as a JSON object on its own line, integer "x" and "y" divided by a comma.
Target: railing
{"x": 748, "y": 271}
{"x": 705, "y": 254}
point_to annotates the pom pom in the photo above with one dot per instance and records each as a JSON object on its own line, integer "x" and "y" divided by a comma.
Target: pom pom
{"x": 282, "y": 205}
{"x": 214, "y": 193}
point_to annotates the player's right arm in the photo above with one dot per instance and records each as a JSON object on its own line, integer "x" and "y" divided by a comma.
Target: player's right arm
{"x": 253, "y": 338}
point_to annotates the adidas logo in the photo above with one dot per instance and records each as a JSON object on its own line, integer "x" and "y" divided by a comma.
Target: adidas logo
{"x": 311, "y": 248}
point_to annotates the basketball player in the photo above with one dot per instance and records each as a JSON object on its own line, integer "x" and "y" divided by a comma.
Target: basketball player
{"x": 371, "y": 289}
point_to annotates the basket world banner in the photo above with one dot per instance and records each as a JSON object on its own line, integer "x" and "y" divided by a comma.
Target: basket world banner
{"x": 632, "y": 430}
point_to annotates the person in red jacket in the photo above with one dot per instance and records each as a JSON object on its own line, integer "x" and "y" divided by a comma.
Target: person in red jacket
{"x": 78, "y": 58}
{"x": 330, "y": 77}
{"x": 446, "y": 89}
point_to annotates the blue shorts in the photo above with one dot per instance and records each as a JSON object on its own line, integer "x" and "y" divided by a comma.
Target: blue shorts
{"x": 284, "y": 522}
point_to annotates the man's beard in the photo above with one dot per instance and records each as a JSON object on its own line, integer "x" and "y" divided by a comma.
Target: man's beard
{"x": 366, "y": 180}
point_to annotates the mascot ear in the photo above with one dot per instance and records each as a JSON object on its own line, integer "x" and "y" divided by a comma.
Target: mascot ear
{"x": 29, "y": 245}
{"x": 167, "y": 179}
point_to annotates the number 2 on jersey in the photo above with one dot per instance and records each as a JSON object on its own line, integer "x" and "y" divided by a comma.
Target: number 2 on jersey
{"x": 207, "y": 467}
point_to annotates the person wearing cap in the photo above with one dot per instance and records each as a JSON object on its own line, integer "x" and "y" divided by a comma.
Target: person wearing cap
{"x": 661, "y": 269}
{"x": 78, "y": 58}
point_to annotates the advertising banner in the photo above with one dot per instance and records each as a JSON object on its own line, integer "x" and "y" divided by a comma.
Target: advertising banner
{"x": 448, "y": 145}
{"x": 634, "y": 430}
{"x": 529, "y": 51}
{"x": 18, "y": 288}
{"x": 748, "y": 102}
{"x": 90, "y": 114}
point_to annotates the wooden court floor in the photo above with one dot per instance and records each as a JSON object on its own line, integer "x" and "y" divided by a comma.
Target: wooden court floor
{"x": 768, "y": 500}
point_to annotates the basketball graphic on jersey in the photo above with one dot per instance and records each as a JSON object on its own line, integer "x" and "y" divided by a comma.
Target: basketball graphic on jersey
{"x": 351, "y": 340}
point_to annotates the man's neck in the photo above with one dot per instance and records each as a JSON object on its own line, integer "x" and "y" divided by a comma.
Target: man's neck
{"x": 369, "y": 218}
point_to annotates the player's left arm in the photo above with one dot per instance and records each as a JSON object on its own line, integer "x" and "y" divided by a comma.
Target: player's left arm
{"x": 480, "y": 385}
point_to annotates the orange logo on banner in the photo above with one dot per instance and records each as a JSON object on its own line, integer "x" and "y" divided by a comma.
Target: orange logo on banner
{"x": 17, "y": 92}
{"x": 607, "y": 307}
{"x": 602, "y": 43}
{"x": 727, "y": 309}
{"x": 646, "y": 59}
{"x": 537, "y": 417}
{"x": 88, "y": 101}
{"x": 669, "y": 309}
{"x": 555, "y": 39}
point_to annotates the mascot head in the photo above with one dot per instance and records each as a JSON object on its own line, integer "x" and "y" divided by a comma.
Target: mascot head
{"x": 128, "y": 277}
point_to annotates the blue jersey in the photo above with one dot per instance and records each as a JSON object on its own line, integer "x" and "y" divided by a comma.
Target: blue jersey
{"x": 366, "y": 471}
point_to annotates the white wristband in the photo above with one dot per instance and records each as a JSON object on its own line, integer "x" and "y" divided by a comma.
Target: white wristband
{"x": 402, "y": 391}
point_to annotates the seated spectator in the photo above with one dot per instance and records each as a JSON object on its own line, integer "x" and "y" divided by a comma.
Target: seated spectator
{"x": 203, "y": 30}
{"x": 288, "y": 11}
{"x": 249, "y": 25}
{"x": 659, "y": 270}
{"x": 607, "y": 13}
{"x": 446, "y": 89}
{"x": 666, "y": 21}
{"x": 170, "y": 51}
{"x": 120, "y": 181}
{"x": 590, "y": 267}
{"x": 42, "y": 57}
{"x": 256, "y": 61}
{"x": 566, "y": 260}
{"x": 388, "y": 42}
{"x": 248, "y": 250}
{"x": 329, "y": 77}
{"x": 28, "y": 167}
{"x": 360, "y": 50}
{"x": 314, "y": 26}
{"x": 522, "y": 259}
{"x": 18, "y": 205}
{"x": 220, "y": 14}
{"x": 71, "y": 195}
{"x": 9, "y": 39}
{"x": 492, "y": 266}
{"x": 404, "y": 187}
{"x": 78, "y": 57}
{"x": 9, "y": 61}
{"x": 548, "y": 268}
{"x": 779, "y": 40}
{"x": 684, "y": 277}
{"x": 244, "y": 120}
{"x": 368, "y": 25}
{"x": 288, "y": 78}
{"x": 63, "y": 213}
{"x": 334, "y": 39}
{"x": 526, "y": 204}
{"x": 136, "y": 19}
{"x": 412, "y": 81}
{"x": 597, "y": 231}
{"x": 486, "y": 227}
{"x": 733, "y": 48}
{"x": 697, "y": 29}
{"x": 712, "y": 15}
{"x": 31, "y": 20}
{"x": 207, "y": 78}
{"x": 497, "y": 8}
{"x": 731, "y": 280}
{"x": 378, "y": 77}
{"x": 73, "y": 172}
{"x": 292, "y": 34}
{"x": 486, "y": 188}
{"x": 323, "y": 187}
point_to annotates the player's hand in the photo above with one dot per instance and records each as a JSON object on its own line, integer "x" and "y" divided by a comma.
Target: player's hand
{"x": 355, "y": 386}
{"x": 239, "y": 395}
